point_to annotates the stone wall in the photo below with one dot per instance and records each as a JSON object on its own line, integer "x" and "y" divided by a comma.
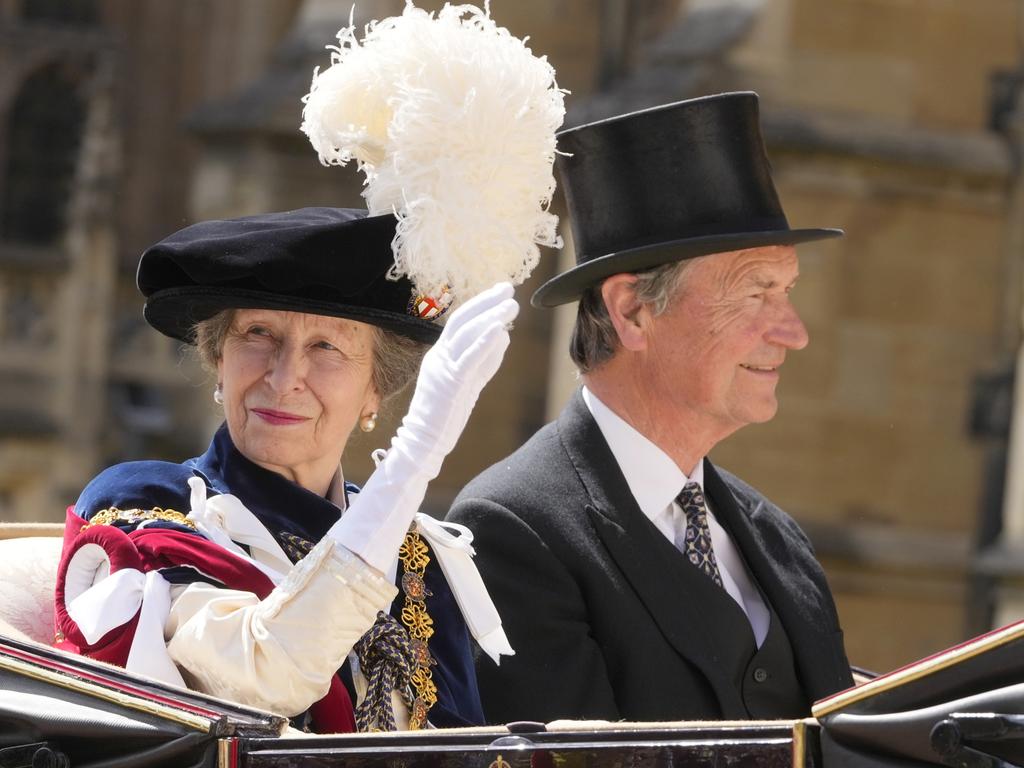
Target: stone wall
{"x": 89, "y": 384}
{"x": 877, "y": 113}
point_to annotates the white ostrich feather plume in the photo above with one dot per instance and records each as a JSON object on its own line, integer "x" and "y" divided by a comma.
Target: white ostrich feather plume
{"x": 453, "y": 121}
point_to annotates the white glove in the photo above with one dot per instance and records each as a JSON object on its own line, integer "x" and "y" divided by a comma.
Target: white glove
{"x": 451, "y": 377}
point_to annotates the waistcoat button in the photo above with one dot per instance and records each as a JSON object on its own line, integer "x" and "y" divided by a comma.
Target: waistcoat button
{"x": 760, "y": 675}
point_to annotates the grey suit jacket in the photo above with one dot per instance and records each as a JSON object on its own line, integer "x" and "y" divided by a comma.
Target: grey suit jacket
{"x": 593, "y": 600}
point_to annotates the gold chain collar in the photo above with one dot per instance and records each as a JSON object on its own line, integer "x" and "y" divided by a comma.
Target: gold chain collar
{"x": 415, "y": 557}
{"x": 113, "y": 515}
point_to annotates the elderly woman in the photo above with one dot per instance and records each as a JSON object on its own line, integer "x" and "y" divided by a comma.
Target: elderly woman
{"x": 254, "y": 572}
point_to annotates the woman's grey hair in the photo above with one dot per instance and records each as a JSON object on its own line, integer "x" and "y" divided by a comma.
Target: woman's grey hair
{"x": 594, "y": 339}
{"x": 396, "y": 358}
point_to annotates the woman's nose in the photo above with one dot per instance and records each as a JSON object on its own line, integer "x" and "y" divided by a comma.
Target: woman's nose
{"x": 287, "y": 369}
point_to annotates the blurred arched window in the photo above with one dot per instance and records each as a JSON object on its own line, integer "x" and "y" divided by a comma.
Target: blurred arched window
{"x": 45, "y": 125}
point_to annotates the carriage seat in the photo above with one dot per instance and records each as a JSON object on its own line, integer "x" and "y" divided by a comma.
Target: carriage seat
{"x": 29, "y": 555}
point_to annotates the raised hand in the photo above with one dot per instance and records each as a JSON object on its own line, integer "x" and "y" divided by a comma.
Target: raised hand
{"x": 453, "y": 373}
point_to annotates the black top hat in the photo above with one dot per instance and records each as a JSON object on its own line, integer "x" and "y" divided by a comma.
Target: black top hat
{"x": 323, "y": 261}
{"x": 669, "y": 183}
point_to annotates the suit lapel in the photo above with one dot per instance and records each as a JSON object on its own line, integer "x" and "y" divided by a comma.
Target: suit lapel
{"x": 640, "y": 551}
{"x": 774, "y": 561}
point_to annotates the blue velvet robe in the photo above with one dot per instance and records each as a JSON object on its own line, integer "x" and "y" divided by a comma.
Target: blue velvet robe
{"x": 283, "y": 506}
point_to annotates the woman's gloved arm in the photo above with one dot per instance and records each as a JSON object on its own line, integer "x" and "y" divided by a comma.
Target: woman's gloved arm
{"x": 453, "y": 373}
{"x": 278, "y": 653}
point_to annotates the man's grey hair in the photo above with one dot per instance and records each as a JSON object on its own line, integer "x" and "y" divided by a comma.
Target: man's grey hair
{"x": 594, "y": 340}
{"x": 396, "y": 358}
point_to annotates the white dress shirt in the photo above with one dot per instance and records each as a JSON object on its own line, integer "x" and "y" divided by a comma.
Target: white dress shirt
{"x": 655, "y": 481}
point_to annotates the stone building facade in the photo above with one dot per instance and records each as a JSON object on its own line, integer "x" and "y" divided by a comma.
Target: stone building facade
{"x": 894, "y": 119}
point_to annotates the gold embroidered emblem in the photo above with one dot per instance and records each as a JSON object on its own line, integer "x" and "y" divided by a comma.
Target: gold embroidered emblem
{"x": 413, "y": 585}
{"x": 113, "y": 515}
{"x": 420, "y": 652}
{"x": 414, "y": 557}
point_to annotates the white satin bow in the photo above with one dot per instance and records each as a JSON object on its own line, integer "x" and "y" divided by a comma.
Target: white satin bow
{"x": 453, "y": 546}
{"x": 224, "y": 520}
{"x": 114, "y": 601}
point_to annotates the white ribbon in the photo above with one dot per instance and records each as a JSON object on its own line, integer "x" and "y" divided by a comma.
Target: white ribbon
{"x": 113, "y": 601}
{"x": 148, "y": 654}
{"x": 453, "y": 546}
{"x": 107, "y": 604}
{"x": 224, "y": 520}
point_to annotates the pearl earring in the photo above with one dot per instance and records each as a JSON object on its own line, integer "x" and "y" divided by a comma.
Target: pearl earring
{"x": 369, "y": 422}
{"x": 218, "y": 394}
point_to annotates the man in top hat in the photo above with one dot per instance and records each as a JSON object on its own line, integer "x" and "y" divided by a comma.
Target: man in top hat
{"x": 636, "y": 579}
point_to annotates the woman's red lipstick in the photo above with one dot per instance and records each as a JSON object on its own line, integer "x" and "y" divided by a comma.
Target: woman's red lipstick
{"x": 277, "y": 417}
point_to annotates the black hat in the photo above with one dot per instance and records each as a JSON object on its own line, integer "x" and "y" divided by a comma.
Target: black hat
{"x": 323, "y": 261}
{"x": 664, "y": 184}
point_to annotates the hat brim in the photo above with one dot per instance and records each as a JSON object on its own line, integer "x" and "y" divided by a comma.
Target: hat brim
{"x": 569, "y": 285}
{"x": 175, "y": 311}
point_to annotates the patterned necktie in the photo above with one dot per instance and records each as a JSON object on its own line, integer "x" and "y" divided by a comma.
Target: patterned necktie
{"x": 696, "y": 543}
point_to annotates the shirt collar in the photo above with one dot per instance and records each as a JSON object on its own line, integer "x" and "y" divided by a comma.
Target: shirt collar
{"x": 337, "y": 491}
{"x": 653, "y": 478}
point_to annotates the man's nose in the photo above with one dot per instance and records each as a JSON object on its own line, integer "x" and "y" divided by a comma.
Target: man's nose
{"x": 287, "y": 369}
{"x": 788, "y": 330}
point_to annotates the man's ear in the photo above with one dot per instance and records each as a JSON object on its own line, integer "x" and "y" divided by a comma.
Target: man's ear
{"x": 626, "y": 312}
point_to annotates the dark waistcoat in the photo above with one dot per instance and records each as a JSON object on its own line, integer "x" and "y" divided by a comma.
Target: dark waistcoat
{"x": 765, "y": 677}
